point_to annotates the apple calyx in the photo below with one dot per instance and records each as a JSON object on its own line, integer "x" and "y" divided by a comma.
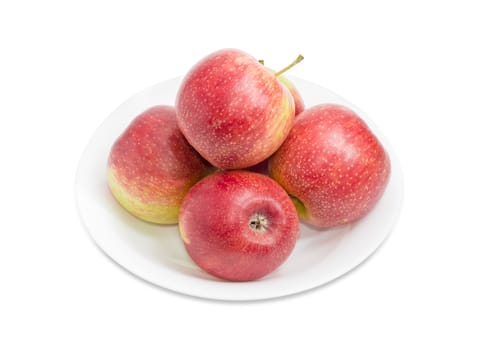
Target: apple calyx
{"x": 258, "y": 223}
{"x": 297, "y": 60}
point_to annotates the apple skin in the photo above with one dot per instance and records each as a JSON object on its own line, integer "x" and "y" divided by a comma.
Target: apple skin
{"x": 238, "y": 225}
{"x": 333, "y": 165}
{"x": 297, "y": 98}
{"x": 151, "y": 166}
{"x": 233, "y": 111}
{"x": 262, "y": 167}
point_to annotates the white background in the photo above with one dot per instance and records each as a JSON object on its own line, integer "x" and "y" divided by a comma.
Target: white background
{"x": 413, "y": 66}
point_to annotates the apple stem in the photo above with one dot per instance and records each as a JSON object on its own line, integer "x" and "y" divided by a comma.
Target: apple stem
{"x": 262, "y": 62}
{"x": 297, "y": 60}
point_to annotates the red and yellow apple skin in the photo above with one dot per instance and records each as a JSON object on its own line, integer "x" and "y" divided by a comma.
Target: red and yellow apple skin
{"x": 238, "y": 225}
{"x": 151, "y": 166}
{"x": 233, "y": 111}
{"x": 297, "y": 98}
{"x": 262, "y": 167}
{"x": 333, "y": 166}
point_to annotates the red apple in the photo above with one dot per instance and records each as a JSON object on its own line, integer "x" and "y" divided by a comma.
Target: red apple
{"x": 233, "y": 110}
{"x": 151, "y": 166}
{"x": 262, "y": 167}
{"x": 333, "y": 165}
{"x": 297, "y": 98}
{"x": 238, "y": 225}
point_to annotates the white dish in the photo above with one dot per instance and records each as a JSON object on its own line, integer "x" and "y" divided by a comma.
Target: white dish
{"x": 156, "y": 254}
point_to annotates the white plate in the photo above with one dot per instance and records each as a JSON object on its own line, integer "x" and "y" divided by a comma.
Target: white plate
{"x": 156, "y": 254}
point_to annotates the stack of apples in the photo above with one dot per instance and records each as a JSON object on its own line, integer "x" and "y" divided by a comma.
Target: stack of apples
{"x": 239, "y": 160}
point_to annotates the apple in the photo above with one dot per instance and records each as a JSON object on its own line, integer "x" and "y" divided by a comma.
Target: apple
{"x": 238, "y": 225}
{"x": 297, "y": 98}
{"x": 151, "y": 166}
{"x": 332, "y": 165}
{"x": 233, "y": 110}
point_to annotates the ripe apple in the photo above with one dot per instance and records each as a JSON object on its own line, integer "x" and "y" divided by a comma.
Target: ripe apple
{"x": 238, "y": 225}
{"x": 233, "y": 110}
{"x": 333, "y": 166}
{"x": 297, "y": 98}
{"x": 151, "y": 166}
